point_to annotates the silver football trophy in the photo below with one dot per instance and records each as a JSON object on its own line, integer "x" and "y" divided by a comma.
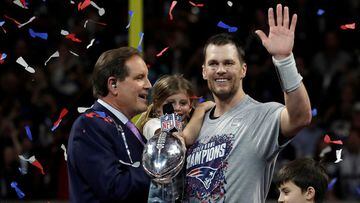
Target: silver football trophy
{"x": 164, "y": 153}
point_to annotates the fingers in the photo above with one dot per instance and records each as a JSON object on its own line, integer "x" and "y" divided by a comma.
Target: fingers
{"x": 261, "y": 35}
{"x": 286, "y": 17}
{"x": 271, "y": 17}
{"x": 293, "y": 23}
{"x": 279, "y": 17}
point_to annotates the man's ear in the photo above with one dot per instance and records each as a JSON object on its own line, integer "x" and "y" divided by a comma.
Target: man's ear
{"x": 244, "y": 69}
{"x": 204, "y": 72}
{"x": 310, "y": 194}
{"x": 112, "y": 85}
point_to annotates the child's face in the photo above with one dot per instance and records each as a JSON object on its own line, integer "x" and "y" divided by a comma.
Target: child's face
{"x": 290, "y": 193}
{"x": 181, "y": 104}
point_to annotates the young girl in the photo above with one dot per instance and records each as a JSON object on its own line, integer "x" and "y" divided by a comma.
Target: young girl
{"x": 177, "y": 90}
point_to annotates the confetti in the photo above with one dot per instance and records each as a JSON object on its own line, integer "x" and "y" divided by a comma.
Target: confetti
{"x": 63, "y": 112}
{"x": 23, "y": 63}
{"x": 73, "y": 53}
{"x": 338, "y": 156}
{"x": 72, "y": 2}
{"x": 22, "y": 171}
{"x": 83, "y": 109}
{"x": 2, "y": 58}
{"x": 314, "y": 112}
{"x": 348, "y": 26}
{"x": 325, "y": 151}
{"x": 196, "y": 5}
{"x": 101, "y": 114}
{"x": 91, "y": 43}
{"x": 41, "y": 35}
{"x": 1, "y": 25}
{"x": 320, "y": 12}
{"x": 56, "y": 54}
{"x": 83, "y": 5}
{"x": 18, "y": 191}
{"x": 72, "y": 38}
{"x": 20, "y": 3}
{"x": 65, "y": 154}
{"x": 173, "y": 4}
{"x": 201, "y": 100}
{"x": 32, "y": 160}
{"x": 101, "y": 11}
{"x": 332, "y": 183}
{"x": 131, "y": 13}
{"x": 85, "y": 24}
{"x": 225, "y": 26}
{"x": 27, "y": 22}
{"x": 140, "y": 41}
{"x": 327, "y": 140}
{"x": 12, "y": 19}
{"x": 64, "y": 32}
{"x": 229, "y": 3}
{"x": 28, "y": 132}
{"x": 161, "y": 52}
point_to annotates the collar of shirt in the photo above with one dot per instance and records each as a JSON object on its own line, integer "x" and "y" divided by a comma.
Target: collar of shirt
{"x": 116, "y": 112}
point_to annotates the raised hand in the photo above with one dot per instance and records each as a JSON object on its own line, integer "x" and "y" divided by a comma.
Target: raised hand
{"x": 280, "y": 40}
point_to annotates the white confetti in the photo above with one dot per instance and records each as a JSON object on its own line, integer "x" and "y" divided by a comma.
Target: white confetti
{"x": 23, "y": 63}
{"x": 64, "y": 32}
{"x": 83, "y": 109}
{"x": 65, "y": 154}
{"x": 29, "y": 21}
{"x": 101, "y": 11}
{"x": 325, "y": 151}
{"x": 18, "y": 2}
{"x": 229, "y": 3}
{"x": 86, "y": 23}
{"x": 56, "y": 54}
{"x": 73, "y": 53}
{"x": 91, "y": 43}
{"x": 338, "y": 156}
{"x": 30, "y": 160}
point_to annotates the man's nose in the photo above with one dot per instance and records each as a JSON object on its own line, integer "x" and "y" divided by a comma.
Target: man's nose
{"x": 221, "y": 69}
{"x": 281, "y": 198}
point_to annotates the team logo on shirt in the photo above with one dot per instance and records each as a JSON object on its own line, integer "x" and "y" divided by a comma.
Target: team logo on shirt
{"x": 206, "y": 167}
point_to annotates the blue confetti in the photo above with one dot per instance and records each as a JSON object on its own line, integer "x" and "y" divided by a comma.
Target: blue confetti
{"x": 320, "y": 12}
{"x": 314, "y": 112}
{"x": 3, "y": 56}
{"x": 225, "y": 26}
{"x": 28, "y": 132}
{"x": 19, "y": 193}
{"x": 41, "y": 35}
{"x": 22, "y": 171}
{"x": 141, "y": 34}
{"x": 201, "y": 100}
{"x": 332, "y": 183}
{"x": 2, "y": 22}
{"x": 101, "y": 114}
{"x": 131, "y": 13}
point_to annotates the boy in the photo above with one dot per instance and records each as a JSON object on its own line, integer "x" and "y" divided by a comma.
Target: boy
{"x": 302, "y": 181}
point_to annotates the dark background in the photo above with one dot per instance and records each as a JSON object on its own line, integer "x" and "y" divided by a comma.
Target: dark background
{"x": 327, "y": 57}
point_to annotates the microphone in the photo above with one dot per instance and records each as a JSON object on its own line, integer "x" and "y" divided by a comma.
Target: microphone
{"x": 170, "y": 121}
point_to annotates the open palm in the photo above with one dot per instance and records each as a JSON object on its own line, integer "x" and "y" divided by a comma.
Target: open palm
{"x": 280, "y": 40}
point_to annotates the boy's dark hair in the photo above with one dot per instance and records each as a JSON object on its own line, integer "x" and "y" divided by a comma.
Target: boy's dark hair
{"x": 111, "y": 63}
{"x": 224, "y": 39}
{"x": 305, "y": 172}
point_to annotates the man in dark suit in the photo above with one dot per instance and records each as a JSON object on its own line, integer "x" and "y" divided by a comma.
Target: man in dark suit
{"x": 105, "y": 148}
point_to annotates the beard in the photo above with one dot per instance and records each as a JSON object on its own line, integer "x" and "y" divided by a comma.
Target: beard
{"x": 224, "y": 94}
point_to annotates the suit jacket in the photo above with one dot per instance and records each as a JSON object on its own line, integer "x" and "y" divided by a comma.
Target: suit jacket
{"x": 94, "y": 149}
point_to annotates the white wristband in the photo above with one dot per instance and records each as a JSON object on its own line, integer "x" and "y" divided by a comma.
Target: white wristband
{"x": 288, "y": 74}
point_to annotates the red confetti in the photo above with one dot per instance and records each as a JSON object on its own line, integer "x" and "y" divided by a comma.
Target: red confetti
{"x": 12, "y": 19}
{"x": 161, "y": 52}
{"x": 83, "y": 5}
{"x": 94, "y": 114}
{"x": 173, "y": 4}
{"x": 348, "y": 26}
{"x": 23, "y": 3}
{"x": 327, "y": 140}
{"x": 72, "y": 38}
{"x": 195, "y": 97}
{"x": 38, "y": 165}
{"x": 196, "y": 5}
{"x": 63, "y": 112}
